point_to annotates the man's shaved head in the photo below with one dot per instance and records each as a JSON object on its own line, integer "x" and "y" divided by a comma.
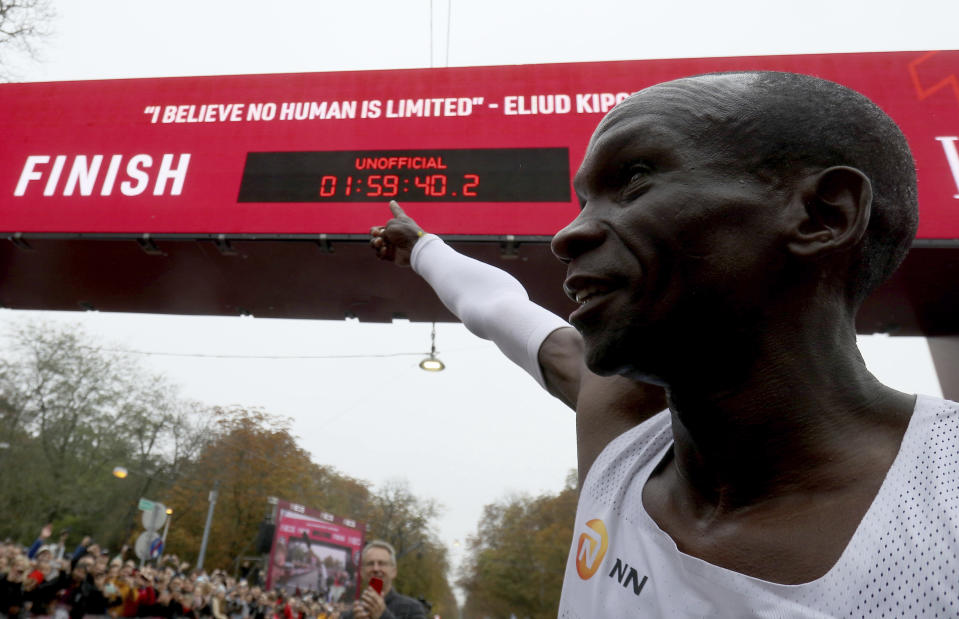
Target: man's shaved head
{"x": 779, "y": 126}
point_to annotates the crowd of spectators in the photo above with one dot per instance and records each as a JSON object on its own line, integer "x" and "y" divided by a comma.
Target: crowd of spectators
{"x": 47, "y": 580}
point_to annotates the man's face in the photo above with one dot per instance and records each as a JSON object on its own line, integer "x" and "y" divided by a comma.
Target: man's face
{"x": 376, "y": 563}
{"x": 80, "y": 571}
{"x": 144, "y": 580}
{"x": 21, "y": 566}
{"x": 673, "y": 242}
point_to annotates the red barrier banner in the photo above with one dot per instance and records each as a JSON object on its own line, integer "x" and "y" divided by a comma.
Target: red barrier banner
{"x": 472, "y": 151}
{"x": 314, "y": 551}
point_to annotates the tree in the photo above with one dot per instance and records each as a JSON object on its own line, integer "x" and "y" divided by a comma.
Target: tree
{"x": 70, "y": 412}
{"x": 405, "y": 521}
{"x": 516, "y": 561}
{"x": 253, "y": 456}
{"x": 22, "y": 24}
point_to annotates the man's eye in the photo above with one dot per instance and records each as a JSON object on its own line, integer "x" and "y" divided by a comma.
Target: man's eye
{"x": 635, "y": 182}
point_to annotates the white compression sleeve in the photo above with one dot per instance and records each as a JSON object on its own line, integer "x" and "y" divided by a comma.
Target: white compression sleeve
{"x": 491, "y": 303}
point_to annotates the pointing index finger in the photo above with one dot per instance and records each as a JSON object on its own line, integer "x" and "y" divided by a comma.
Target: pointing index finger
{"x": 396, "y": 209}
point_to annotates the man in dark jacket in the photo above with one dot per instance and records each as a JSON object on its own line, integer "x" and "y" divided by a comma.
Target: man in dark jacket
{"x": 82, "y": 595}
{"x": 378, "y": 561}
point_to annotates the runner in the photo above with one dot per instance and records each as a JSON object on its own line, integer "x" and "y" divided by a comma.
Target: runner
{"x": 731, "y": 226}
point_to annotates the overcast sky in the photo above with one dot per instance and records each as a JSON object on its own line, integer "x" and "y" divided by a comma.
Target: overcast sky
{"x": 482, "y": 429}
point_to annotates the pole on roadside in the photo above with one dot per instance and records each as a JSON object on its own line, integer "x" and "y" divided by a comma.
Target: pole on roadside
{"x": 166, "y": 528}
{"x": 206, "y": 528}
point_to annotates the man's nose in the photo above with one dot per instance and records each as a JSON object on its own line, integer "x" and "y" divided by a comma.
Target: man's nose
{"x": 580, "y": 236}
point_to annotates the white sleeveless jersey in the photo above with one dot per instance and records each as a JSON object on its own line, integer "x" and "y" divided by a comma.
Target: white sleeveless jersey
{"x": 902, "y": 561}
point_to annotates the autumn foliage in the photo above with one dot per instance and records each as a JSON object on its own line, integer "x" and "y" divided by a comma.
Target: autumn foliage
{"x": 72, "y": 409}
{"x": 516, "y": 560}
{"x": 252, "y": 456}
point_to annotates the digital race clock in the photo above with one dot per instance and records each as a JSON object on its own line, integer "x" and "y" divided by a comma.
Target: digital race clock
{"x": 452, "y": 175}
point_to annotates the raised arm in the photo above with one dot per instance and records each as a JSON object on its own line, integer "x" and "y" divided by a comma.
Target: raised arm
{"x": 493, "y": 305}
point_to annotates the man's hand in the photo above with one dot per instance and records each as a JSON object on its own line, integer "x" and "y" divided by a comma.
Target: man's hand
{"x": 359, "y": 611}
{"x": 395, "y": 240}
{"x": 371, "y": 604}
{"x": 46, "y": 531}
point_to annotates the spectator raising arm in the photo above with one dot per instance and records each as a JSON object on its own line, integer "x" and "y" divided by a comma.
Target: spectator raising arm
{"x": 37, "y": 543}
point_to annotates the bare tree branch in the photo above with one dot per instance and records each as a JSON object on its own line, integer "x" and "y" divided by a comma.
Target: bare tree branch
{"x": 23, "y": 24}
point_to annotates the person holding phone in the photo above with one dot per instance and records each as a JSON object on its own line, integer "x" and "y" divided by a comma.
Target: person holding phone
{"x": 379, "y": 600}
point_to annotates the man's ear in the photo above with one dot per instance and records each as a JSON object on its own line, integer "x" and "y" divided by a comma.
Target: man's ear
{"x": 832, "y": 211}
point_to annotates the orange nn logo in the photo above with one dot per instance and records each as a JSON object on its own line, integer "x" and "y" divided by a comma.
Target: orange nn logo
{"x": 591, "y": 549}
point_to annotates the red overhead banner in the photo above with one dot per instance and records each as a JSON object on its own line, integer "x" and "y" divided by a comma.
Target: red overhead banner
{"x": 472, "y": 151}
